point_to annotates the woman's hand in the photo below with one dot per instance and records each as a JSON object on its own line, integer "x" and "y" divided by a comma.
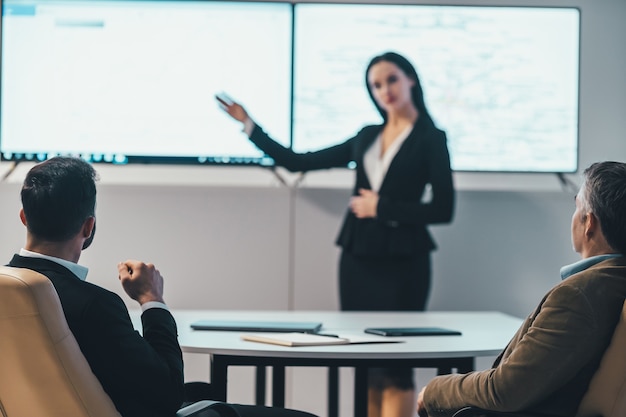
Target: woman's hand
{"x": 234, "y": 109}
{"x": 365, "y": 204}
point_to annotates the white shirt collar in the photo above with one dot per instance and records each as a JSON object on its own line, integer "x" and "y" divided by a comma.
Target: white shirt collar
{"x": 376, "y": 167}
{"x": 78, "y": 270}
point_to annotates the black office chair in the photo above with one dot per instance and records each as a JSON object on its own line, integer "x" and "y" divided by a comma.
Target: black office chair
{"x": 606, "y": 396}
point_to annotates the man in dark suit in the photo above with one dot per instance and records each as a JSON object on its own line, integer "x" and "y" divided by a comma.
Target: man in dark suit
{"x": 143, "y": 375}
{"x": 548, "y": 365}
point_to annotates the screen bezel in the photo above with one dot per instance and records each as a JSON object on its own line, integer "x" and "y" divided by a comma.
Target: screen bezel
{"x": 265, "y": 161}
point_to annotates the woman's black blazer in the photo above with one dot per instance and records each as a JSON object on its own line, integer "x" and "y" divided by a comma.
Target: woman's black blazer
{"x": 400, "y": 225}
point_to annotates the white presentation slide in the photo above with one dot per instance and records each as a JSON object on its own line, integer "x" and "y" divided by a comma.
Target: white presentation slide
{"x": 113, "y": 79}
{"x": 501, "y": 81}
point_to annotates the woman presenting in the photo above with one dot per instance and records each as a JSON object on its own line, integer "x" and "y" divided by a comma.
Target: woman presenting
{"x": 385, "y": 257}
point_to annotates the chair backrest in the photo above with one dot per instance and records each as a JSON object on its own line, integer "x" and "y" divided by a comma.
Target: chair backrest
{"x": 606, "y": 395}
{"x": 43, "y": 372}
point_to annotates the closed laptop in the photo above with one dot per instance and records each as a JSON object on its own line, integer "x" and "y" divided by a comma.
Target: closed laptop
{"x": 258, "y": 326}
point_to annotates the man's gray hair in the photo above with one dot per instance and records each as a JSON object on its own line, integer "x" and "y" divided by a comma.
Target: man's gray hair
{"x": 603, "y": 193}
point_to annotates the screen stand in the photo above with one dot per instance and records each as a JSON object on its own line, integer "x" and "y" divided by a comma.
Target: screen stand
{"x": 279, "y": 177}
{"x": 9, "y": 172}
{"x": 284, "y": 182}
{"x": 566, "y": 183}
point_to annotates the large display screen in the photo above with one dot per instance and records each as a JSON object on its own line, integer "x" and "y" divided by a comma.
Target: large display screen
{"x": 501, "y": 81}
{"x": 134, "y": 81}
{"x": 124, "y": 81}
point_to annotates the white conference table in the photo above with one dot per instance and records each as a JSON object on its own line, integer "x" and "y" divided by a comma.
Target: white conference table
{"x": 483, "y": 334}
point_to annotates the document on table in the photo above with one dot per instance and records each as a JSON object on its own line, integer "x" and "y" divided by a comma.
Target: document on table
{"x": 307, "y": 339}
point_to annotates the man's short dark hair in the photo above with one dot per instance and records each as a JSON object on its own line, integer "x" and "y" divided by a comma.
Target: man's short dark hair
{"x": 58, "y": 195}
{"x": 604, "y": 192}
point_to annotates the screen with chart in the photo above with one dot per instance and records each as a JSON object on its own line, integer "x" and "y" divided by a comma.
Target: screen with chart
{"x": 134, "y": 81}
{"x": 501, "y": 81}
{"x": 124, "y": 81}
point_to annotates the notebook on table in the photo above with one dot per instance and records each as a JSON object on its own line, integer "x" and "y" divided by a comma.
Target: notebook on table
{"x": 304, "y": 339}
{"x": 258, "y": 326}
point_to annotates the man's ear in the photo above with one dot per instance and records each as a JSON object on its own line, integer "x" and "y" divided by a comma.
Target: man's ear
{"x": 23, "y": 217}
{"x": 89, "y": 231}
{"x": 88, "y": 226}
{"x": 592, "y": 225}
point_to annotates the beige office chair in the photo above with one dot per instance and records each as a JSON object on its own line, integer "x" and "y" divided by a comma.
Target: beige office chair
{"x": 43, "y": 373}
{"x": 606, "y": 396}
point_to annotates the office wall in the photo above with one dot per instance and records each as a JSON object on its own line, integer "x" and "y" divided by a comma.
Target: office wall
{"x": 228, "y": 238}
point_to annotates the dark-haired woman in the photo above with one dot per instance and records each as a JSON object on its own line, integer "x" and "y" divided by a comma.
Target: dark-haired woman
{"x": 385, "y": 258}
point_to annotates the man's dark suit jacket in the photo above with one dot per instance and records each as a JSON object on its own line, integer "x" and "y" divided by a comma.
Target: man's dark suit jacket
{"x": 142, "y": 375}
{"x": 400, "y": 225}
{"x": 548, "y": 365}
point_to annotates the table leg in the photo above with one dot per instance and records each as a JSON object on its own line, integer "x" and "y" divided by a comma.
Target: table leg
{"x": 444, "y": 371}
{"x": 219, "y": 379}
{"x": 462, "y": 366}
{"x": 260, "y": 385}
{"x": 333, "y": 391}
{"x": 278, "y": 386}
{"x": 466, "y": 365}
{"x": 360, "y": 391}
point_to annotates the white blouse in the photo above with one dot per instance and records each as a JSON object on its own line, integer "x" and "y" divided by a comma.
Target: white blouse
{"x": 375, "y": 164}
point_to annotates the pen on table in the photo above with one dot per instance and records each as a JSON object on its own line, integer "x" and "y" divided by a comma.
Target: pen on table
{"x": 329, "y": 335}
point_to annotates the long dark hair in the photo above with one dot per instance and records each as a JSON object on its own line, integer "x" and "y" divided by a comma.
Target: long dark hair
{"x": 417, "y": 94}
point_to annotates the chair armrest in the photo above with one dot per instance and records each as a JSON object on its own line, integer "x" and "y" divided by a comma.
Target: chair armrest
{"x": 470, "y": 412}
{"x": 204, "y": 408}
{"x": 197, "y": 391}
{"x": 479, "y": 412}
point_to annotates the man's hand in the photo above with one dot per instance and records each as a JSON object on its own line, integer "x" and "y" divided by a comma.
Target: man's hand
{"x": 142, "y": 282}
{"x": 421, "y": 409}
{"x": 364, "y": 205}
